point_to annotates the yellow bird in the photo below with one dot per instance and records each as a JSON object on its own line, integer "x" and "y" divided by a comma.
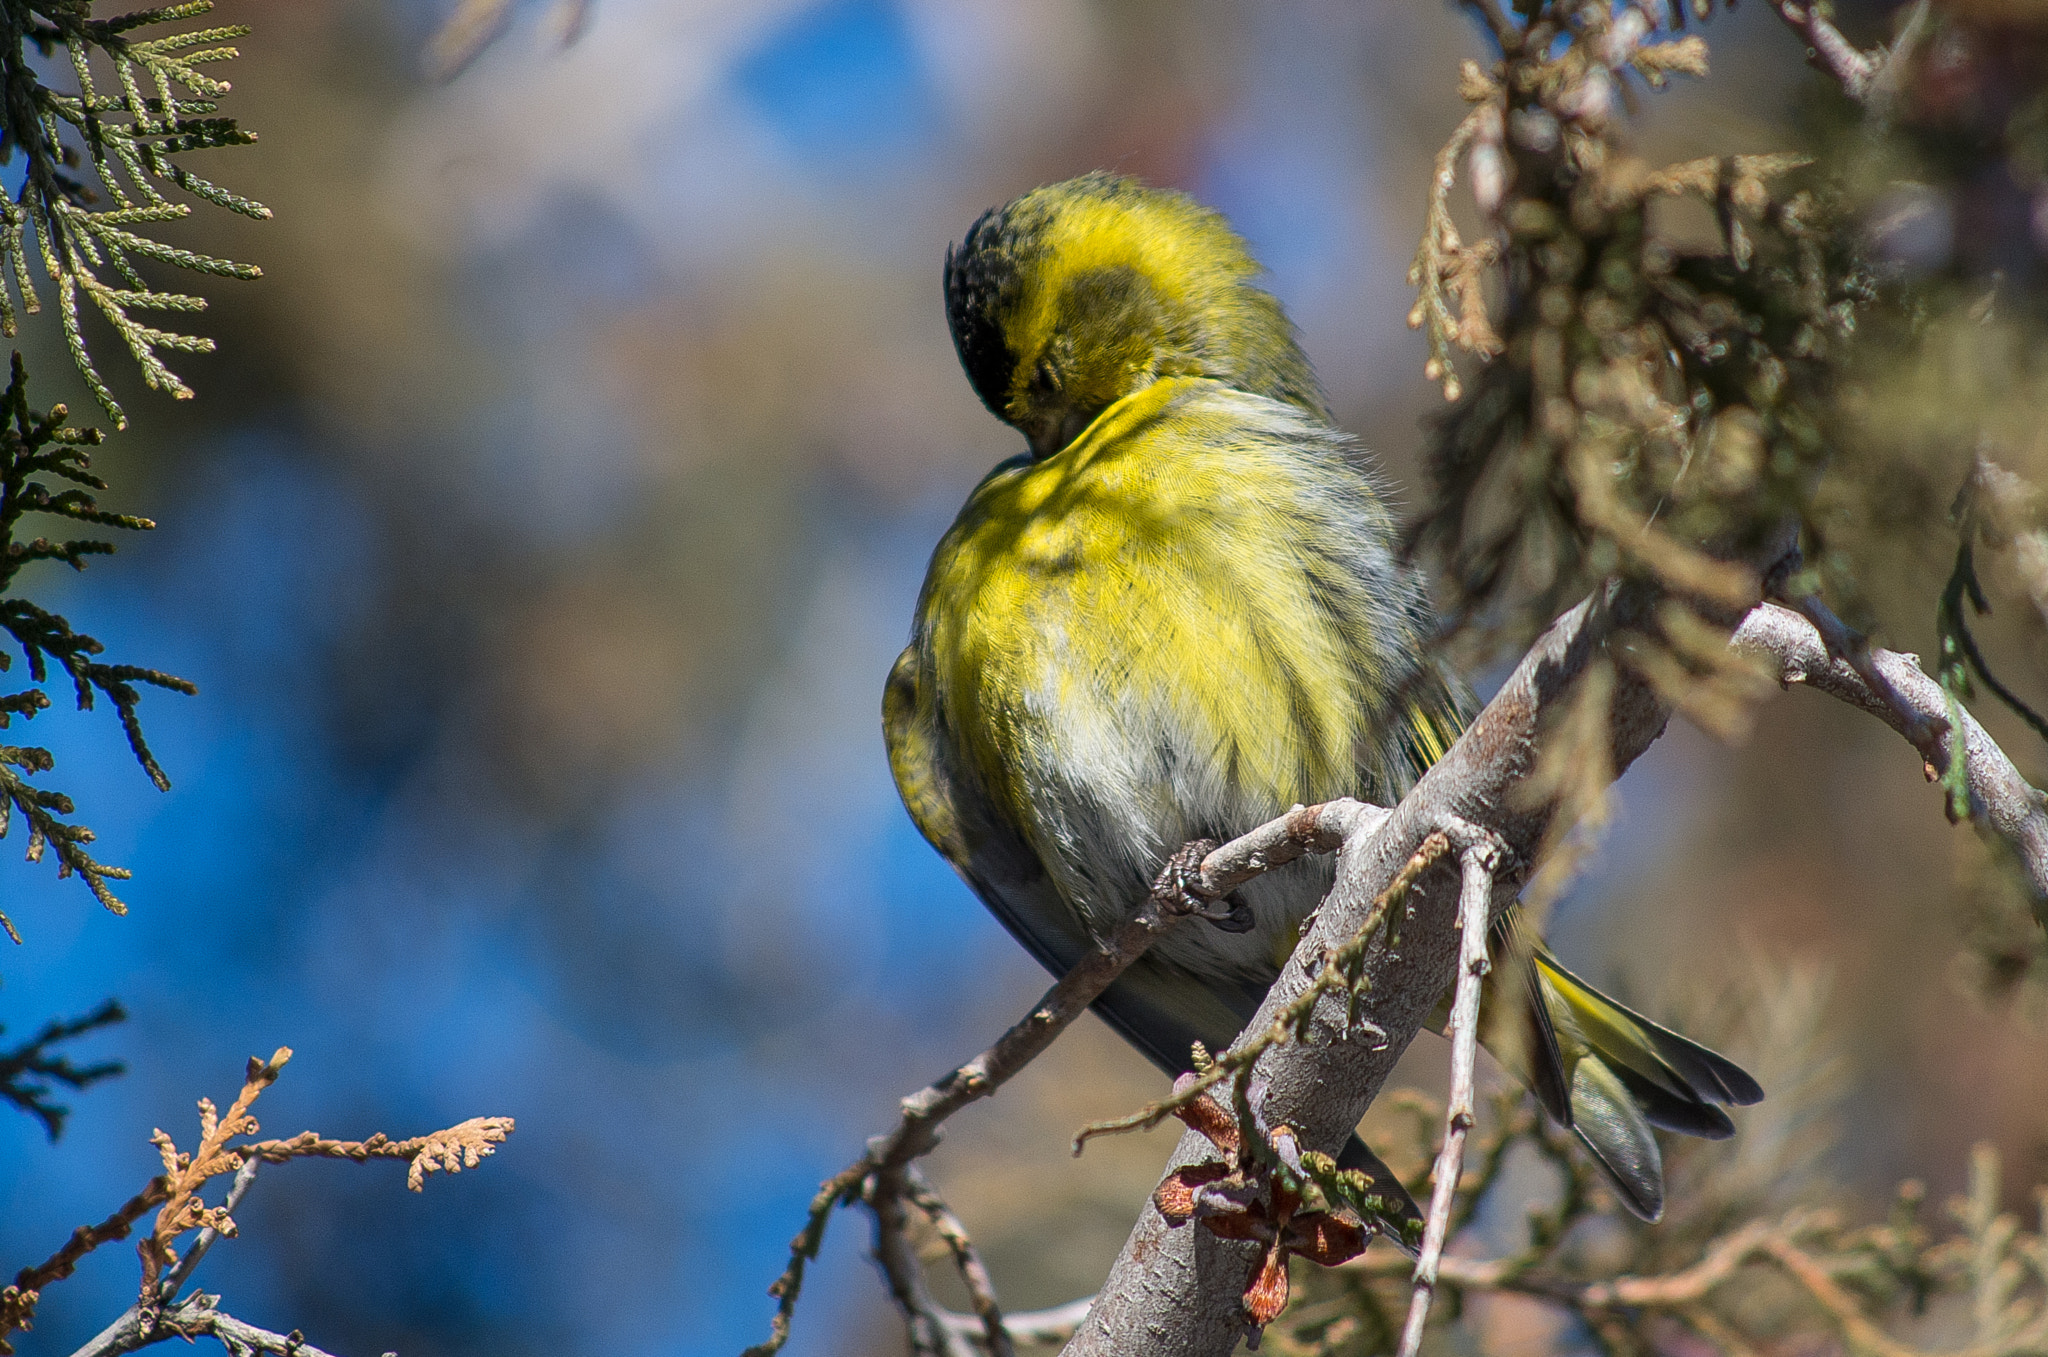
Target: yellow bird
{"x": 1180, "y": 612}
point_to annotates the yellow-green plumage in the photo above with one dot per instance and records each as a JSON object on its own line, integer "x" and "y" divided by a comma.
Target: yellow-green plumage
{"x": 1178, "y": 615}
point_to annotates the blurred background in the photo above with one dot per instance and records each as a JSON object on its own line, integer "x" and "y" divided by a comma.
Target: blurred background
{"x": 541, "y": 535}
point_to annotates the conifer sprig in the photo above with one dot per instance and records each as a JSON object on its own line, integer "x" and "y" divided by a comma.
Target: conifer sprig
{"x": 31, "y": 1071}
{"x": 38, "y": 451}
{"x": 82, "y": 226}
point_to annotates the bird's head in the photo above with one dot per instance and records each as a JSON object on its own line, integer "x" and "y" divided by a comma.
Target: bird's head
{"x": 1078, "y": 294}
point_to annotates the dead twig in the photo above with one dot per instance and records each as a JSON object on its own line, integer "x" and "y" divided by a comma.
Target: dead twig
{"x": 1445, "y": 270}
{"x": 2014, "y": 1325}
{"x": 176, "y": 1193}
{"x": 18, "y": 1302}
{"x": 1480, "y": 856}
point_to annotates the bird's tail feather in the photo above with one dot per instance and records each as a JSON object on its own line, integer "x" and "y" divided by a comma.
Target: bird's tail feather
{"x": 1627, "y": 1074}
{"x": 1611, "y": 1125}
{"x": 1627, "y": 1040}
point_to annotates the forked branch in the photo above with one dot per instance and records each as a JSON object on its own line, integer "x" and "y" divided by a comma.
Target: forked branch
{"x": 176, "y": 1192}
{"x": 885, "y": 1179}
{"x": 1159, "y": 1293}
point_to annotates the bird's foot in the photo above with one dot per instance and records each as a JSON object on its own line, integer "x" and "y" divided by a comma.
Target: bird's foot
{"x": 1179, "y": 890}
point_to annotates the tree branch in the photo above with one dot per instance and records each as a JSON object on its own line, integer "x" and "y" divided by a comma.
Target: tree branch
{"x": 1179, "y": 1291}
{"x": 2000, "y": 799}
{"x": 126, "y": 1334}
{"x": 1479, "y": 857}
{"x": 929, "y": 1336}
{"x": 1852, "y": 648}
{"x": 1054, "y": 1325}
{"x": 197, "y": 1317}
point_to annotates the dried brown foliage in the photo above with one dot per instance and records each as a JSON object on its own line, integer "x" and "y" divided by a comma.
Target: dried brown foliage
{"x": 177, "y": 1193}
{"x": 1651, "y": 409}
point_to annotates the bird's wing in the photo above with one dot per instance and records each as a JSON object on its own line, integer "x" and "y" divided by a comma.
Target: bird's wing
{"x": 1156, "y": 1006}
{"x": 1628, "y": 1074}
{"x": 1159, "y": 1008}
{"x": 967, "y": 831}
{"x": 1608, "y": 1122}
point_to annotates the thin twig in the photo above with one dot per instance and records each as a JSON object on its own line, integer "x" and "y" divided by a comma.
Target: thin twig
{"x": 1684, "y": 1292}
{"x": 1480, "y": 854}
{"x": 1054, "y": 1325}
{"x": 1672, "y": 1290}
{"x": 973, "y": 1272}
{"x": 1832, "y": 52}
{"x": 125, "y": 1333}
{"x": 878, "y": 1179}
{"x": 1863, "y": 76}
{"x": 18, "y": 1301}
{"x": 1999, "y": 797}
{"x": 929, "y": 1336}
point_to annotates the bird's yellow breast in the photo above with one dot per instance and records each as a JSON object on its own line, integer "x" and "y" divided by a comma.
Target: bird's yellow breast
{"x": 1140, "y": 639}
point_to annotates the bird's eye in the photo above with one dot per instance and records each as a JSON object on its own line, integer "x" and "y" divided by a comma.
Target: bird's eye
{"x": 1045, "y": 377}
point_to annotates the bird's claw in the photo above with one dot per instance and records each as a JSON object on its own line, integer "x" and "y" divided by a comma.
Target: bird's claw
{"x": 1179, "y": 891}
{"x": 1236, "y": 919}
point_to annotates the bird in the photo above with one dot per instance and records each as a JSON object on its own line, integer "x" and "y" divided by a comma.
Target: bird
{"x": 1180, "y": 611}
